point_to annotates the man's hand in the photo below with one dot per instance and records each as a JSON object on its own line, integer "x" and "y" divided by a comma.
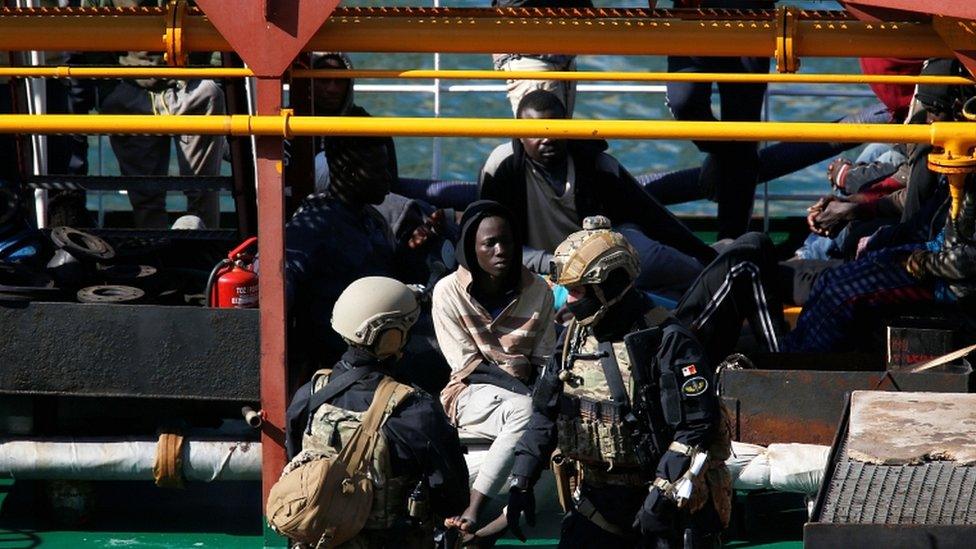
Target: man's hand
{"x": 431, "y": 225}
{"x": 834, "y": 216}
{"x": 914, "y": 263}
{"x": 837, "y": 172}
{"x": 814, "y": 211}
{"x": 862, "y": 246}
{"x": 520, "y": 501}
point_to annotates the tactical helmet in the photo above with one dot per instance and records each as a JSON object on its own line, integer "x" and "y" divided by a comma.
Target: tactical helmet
{"x": 590, "y": 255}
{"x": 372, "y": 306}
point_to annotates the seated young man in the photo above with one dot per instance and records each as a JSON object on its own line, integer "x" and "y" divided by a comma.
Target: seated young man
{"x": 562, "y": 181}
{"x": 342, "y": 235}
{"x": 494, "y": 324}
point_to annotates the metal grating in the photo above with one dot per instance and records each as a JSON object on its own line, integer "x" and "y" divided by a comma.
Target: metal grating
{"x": 932, "y": 493}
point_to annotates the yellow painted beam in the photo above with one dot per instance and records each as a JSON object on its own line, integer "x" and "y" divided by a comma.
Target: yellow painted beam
{"x": 611, "y": 76}
{"x": 425, "y": 74}
{"x": 484, "y": 34}
{"x": 957, "y": 135}
{"x": 625, "y": 36}
{"x": 125, "y": 72}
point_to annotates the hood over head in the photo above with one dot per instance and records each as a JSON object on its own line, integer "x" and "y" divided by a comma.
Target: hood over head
{"x": 465, "y": 253}
{"x": 319, "y": 61}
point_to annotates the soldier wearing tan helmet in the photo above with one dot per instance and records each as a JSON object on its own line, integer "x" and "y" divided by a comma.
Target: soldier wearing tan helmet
{"x": 417, "y": 464}
{"x": 628, "y": 405}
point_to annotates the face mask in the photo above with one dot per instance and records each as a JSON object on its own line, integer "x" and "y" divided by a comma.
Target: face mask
{"x": 585, "y": 309}
{"x": 389, "y": 344}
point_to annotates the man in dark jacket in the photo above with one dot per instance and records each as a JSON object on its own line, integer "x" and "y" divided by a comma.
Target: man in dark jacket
{"x": 339, "y": 236}
{"x": 373, "y": 316}
{"x": 332, "y": 97}
{"x": 561, "y": 182}
{"x": 629, "y": 401}
{"x": 940, "y": 270}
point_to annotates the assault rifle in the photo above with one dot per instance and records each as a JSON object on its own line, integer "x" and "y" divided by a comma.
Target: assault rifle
{"x": 650, "y": 430}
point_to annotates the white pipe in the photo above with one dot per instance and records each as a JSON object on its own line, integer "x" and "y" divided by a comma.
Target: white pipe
{"x": 788, "y": 467}
{"x": 113, "y": 459}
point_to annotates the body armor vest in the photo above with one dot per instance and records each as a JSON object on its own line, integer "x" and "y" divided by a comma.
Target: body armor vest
{"x": 331, "y": 428}
{"x": 591, "y": 427}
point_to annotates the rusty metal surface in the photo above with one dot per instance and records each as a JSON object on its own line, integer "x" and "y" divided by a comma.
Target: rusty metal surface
{"x": 964, "y": 9}
{"x": 267, "y": 34}
{"x": 886, "y": 536}
{"x": 274, "y": 328}
{"x": 806, "y": 405}
{"x": 931, "y": 493}
{"x": 129, "y": 351}
{"x": 407, "y": 11}
{"x": 891, "y": 506}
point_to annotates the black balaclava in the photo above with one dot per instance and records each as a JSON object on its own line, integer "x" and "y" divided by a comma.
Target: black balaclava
{"x": 618, "y": 282}
{"x": 465, "y": 253}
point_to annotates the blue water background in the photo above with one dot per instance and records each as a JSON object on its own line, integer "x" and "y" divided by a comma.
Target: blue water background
{"x": 461, "y": 158}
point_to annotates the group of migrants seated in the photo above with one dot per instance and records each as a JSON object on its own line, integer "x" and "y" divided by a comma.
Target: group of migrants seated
{"x": 514, "y": 383}
{"x": 498, "y": 342}
{"x": 889, "y": 239}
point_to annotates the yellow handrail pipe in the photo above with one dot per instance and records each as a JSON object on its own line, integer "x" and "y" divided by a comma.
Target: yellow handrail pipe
{"x": 458, "y": 34}
{"x": 959, "y": 135}
{"x": 64, "y": 71}
{"x": 611, "y": 76}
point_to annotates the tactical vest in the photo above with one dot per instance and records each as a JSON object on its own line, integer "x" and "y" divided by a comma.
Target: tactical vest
{"x": 331, "y": 428}
{"x": 591, "y": 427}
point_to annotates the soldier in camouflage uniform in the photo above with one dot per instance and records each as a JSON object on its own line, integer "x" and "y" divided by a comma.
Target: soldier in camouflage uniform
{"x": 628, "y": 404}
{"x": 417, "y": 466}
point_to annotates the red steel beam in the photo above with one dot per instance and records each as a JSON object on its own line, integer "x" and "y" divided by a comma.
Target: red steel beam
{"x": 271, "y": 289}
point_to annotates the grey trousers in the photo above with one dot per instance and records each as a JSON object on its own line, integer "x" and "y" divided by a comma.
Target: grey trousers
{"x": 149, "y": 154}
{"x": 565, "y": 90}
{"x": 492, "y": 412}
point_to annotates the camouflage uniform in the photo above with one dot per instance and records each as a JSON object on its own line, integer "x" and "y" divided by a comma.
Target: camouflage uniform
{"x": 625, "y": 450}
{"x": 418, "y": 446}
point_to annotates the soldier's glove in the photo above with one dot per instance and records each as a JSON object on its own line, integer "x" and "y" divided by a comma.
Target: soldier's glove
{"x": 521, "y": 500}
{"x": 656, "y": 515}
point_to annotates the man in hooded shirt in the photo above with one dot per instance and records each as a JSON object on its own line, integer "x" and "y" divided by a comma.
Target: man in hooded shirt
{"x": 333, "y": 97}
{"x": 494, "y": 324}
{"x": 562, "y": 181}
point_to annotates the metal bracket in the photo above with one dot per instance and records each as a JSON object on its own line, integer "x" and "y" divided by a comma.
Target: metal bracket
{"x": 286, "y": 115}
{"x": 786, "y": 30}
{"x": 175, "y": 55}
{"x": 956, "y": 166}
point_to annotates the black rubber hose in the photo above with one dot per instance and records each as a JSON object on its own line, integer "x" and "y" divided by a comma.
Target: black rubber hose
{"x": 213, "y": 277}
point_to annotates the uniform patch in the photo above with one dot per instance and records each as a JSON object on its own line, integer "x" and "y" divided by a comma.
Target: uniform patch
{"x": 689, "y": 370}
{"x": 694, "y": 386}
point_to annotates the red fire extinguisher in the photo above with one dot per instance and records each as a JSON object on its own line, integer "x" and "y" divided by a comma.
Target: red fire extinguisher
{"x": 232, "y": 283}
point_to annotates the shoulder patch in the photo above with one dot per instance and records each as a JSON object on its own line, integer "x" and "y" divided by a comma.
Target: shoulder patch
{"x": 689, "y": 370}
{"x": 694, "y": 386}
